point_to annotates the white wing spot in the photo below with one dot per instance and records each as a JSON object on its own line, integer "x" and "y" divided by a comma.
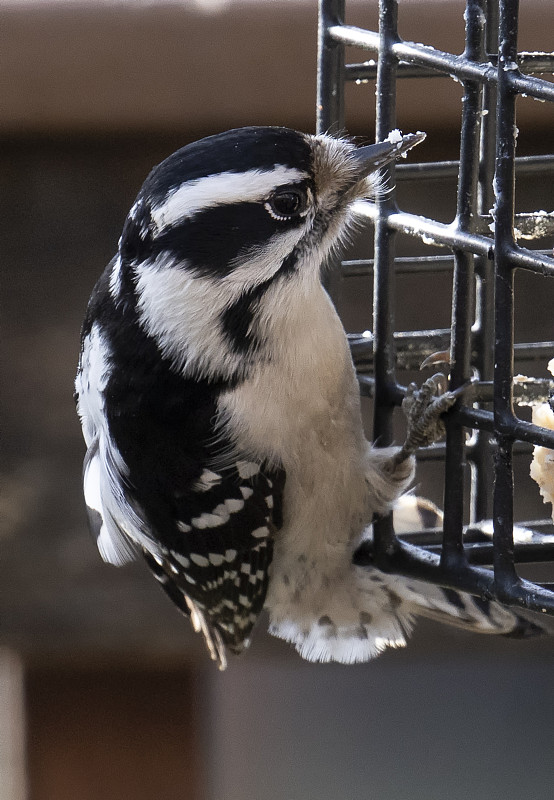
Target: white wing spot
{"x": 233, "y": 505}
{"x": 207, "y": 521}
{"x": 222, "y": 512}
{"x": 201, "y": 561}
{"x": 245, "y": 568}
{"x": 247, "y": 469}
{"x": 207, "y": 481}
{"x": 243, "y": 600}
{"x": 260, "y": 533}
{"x": 216, "y": 559}
{"x": 230, "y": 555}
{"x": 183, "y": 527}
{"x": 183, "y": 560}
{"x": 246, "y": 492}
{"x": 269, "y": 501}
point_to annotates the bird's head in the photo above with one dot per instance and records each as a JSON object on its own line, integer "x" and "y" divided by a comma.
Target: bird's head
{"x": 227, "y": 228}
{"x": 258, "y": 196}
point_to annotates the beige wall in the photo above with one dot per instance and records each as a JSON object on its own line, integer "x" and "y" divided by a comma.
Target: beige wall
{"x": 103, "y": 67}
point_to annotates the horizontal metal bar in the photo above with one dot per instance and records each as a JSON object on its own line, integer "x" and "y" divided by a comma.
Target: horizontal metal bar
{"x": 527, "y": 432}
{"x": 402, "y": 265}
{"x": 427, "y": 170}
{"x": 527, "y": 225}
{"x": 533, "y": 165}
{"x": 412, "y": 347}
{"x": 530, "y": 351}
{"x": 430, "y": 231}
{"x": 457, "y": 66}
{"x": 537, "y": 62}
{"x": 367, "y": 71}
{"x": 408, "y": 265}
{"x": 413, "y": 53}
{"x": 482, "y": 552}
{"x": 536, "y": 391}
{"x": 478, "y": 546}
{"x": 531, "y": 260}
{"x": 516, "y": 429}
{"x": 526, "y": 392}
{"x": 417, "y": 562}
{"x": 528, "y": 63}
{"x": 449, "y": 235}
{"x": 536, "y": 88}
{"x": 432, "y": 170}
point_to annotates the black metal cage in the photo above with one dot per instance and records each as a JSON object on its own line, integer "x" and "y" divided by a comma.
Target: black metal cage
{"x": 483, "y": 431}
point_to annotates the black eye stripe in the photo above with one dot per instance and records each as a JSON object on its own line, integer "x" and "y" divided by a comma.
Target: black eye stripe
{"x": 212, "y": 240}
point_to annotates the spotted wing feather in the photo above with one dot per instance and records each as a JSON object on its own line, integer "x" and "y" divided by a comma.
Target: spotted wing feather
{"x": 215, "y": 562}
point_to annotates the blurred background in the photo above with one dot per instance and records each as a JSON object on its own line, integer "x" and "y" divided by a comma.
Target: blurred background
{"x": 104, "y": 691}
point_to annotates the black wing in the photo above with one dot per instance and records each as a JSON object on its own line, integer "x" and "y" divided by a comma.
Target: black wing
{"x": 215, "y": 562}
{"x": 212, "y": 529}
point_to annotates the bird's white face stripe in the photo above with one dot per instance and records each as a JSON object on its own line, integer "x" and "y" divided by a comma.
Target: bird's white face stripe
{"x": 222, "y": 189}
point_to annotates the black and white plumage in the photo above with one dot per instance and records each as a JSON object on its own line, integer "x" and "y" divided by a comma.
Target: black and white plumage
{"x": 220, "y": 408}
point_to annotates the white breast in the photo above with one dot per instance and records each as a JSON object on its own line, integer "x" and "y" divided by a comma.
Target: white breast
{"x": 304, "y": 395}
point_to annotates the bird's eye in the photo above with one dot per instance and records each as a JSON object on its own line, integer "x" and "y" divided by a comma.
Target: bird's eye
{"x": 287, "y": 204}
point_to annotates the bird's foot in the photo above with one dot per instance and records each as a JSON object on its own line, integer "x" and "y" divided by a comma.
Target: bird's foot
{"x": 424, "y": 409}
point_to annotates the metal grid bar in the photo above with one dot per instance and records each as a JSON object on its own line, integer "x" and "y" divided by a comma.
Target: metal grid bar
{"x": 482, "y": 264}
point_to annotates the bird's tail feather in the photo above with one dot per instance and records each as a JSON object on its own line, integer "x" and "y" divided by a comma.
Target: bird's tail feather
{"x": 378, "y": 611}
{"x": 463, "y": 610}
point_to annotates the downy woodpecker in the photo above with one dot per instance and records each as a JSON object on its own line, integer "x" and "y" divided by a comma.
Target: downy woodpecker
{"x": 221, "y": 410}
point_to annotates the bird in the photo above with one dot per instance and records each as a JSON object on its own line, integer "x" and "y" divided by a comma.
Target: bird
{"x": 221, "y": 411}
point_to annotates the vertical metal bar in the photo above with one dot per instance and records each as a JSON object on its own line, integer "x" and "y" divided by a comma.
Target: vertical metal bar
{"x": 384, "y": 284}
{"x": 504, "y": 185}
{"x": 482, "y": 471}
{"x": 463, "y": 286}
{"x": 384, "y": 277}
{"x": 330, "y": 96}
{"x": 330, "y": 69}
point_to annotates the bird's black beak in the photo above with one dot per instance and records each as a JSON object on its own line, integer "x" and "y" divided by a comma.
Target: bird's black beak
{"x": 374, "y": 156}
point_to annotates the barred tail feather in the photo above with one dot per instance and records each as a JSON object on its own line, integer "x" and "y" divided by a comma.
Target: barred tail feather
{"x": 463, "y": 610}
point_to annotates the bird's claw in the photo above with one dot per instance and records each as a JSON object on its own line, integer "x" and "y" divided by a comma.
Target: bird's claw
{"x": 424, "y": 409}
{"x": 442, "y": 357}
